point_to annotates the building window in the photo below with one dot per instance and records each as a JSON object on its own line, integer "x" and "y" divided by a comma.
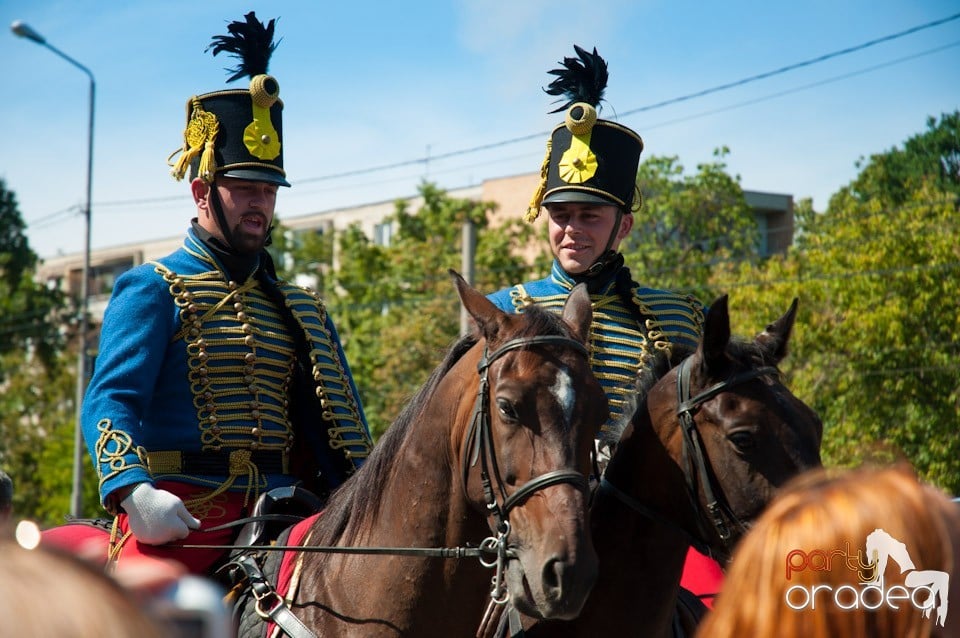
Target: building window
{"x": 104, "y": 276}
{"x": 763, "y": 233}
{"x": 382, "y": 234}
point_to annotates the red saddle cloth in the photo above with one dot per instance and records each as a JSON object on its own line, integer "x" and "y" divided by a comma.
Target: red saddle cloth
{"x": 289, "y": 562}
{"x": 702, "y": 575}
{"x": 93, "y": 542}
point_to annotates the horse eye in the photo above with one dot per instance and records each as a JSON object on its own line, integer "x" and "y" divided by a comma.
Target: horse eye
{"x": 743, "y": 441}
{"x": 507, "y": 410}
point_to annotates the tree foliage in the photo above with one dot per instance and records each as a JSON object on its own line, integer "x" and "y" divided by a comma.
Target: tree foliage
{"x": 38, "y": 425}
{"x": 37, "y": 380}
{"x": 688, "y": 224}
{"x": 931, "y": 159}
{"x": 30, "y": 313}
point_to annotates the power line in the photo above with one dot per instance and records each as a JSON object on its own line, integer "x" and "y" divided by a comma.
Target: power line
{"x": 541, "y": 135}
{"x": 47, "y": 220}
{"x": 805, "y": 87}
{"x": 690, "y": 96}
{"x": 793, "y": 67}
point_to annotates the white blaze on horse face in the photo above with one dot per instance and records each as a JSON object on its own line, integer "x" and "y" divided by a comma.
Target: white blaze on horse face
{"x": 563, "y": 392}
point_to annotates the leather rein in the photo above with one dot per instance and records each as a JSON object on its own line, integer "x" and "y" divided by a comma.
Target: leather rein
{"x": 696, "y": 465}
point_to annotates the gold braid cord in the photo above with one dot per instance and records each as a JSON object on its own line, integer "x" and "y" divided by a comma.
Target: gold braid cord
{"x": 333, "y": 387}
{"x": 533, "y": 210}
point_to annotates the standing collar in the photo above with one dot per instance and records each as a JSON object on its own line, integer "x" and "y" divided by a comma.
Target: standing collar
{"x": 598, "y": 282}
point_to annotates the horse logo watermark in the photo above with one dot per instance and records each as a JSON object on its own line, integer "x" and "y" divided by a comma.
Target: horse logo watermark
{"x": 924, "y": 589}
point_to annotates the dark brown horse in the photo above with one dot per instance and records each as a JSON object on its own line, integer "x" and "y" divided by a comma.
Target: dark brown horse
{"x": 709, "y": 444}
{"x": 496, "y": 446}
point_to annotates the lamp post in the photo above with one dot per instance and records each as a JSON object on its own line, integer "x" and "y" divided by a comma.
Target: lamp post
{"x": 76, "y": 498}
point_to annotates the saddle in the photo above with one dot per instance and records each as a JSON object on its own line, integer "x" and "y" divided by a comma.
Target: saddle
{"x": 275, "y": 511}
{"x": 250, "y": 573}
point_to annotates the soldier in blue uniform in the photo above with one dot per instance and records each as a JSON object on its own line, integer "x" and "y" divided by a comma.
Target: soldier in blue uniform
{"x": 589, "y": 192}
{"x": 215, "y": 380}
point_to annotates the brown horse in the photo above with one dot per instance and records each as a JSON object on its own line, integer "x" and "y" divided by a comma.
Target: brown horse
{"x": 494, "y": 450}
{"x": 710, "y": 442}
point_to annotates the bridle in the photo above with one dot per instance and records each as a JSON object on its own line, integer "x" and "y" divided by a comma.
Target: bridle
{"x": 695, "y": 464}
{"x": 479, "y": 445}
{"x": 692, "y": 451}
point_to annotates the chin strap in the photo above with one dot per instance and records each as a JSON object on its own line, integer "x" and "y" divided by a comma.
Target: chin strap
{"x": 600, "y": 263}
{"x": 608, "y": 252}
{"x": 217, "y": 206}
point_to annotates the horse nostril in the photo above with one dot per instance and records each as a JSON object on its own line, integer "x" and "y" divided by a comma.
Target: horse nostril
{"x": 553, "y": 576}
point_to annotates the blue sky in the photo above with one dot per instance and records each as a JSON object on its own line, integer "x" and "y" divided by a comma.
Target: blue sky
{"x": 373, "y": 84}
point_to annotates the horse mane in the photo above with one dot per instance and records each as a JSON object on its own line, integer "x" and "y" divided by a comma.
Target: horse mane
{"x": 359, "y": 498}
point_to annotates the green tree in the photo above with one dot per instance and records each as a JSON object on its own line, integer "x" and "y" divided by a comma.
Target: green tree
{"x": 887, "y": 327}
{"x": 688, "y": 224}
{"x": 37, "y": 380}
{"x": 38, "y": 422}
{"x": 30, "y": 314}
{"x": 931, "y": 158}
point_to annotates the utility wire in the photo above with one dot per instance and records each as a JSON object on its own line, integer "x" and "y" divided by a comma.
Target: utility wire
{"x": 52, "y": 218}
{"x": 650, "y": 107}
{"x": 682, "y": 98}
{"x": 792, "y": 67}
{"x": 804, "y": 87}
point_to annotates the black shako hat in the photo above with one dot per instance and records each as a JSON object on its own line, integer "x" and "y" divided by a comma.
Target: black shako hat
{"x": 237, "y": 132}
{"x": 588, "y": 159}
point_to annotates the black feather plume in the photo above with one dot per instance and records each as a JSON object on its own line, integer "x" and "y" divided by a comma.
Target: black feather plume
{"x": 581, "y": 80}
{"x": 251, "y": 42}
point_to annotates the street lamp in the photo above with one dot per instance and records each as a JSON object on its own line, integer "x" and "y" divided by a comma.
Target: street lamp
{"x": 24, "y": 31}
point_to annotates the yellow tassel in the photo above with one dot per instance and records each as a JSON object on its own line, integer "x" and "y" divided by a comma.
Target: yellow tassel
{"x": 183, "y": 162}
{"x": 533, "y": 210}
{"x": 200, "y": 134}
{"x": 208, "y": 161}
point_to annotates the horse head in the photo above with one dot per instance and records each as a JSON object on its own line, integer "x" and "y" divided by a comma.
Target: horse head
{"x": 526, "y": 455}
{"x": 733, "y": 431}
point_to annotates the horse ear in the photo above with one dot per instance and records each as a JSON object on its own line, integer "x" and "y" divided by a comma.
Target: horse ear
{"x": 716, "y": 335}
{"x": 578, "y": 312}
{"x": 483, "y": 311}
{"x": 774, "y": 339}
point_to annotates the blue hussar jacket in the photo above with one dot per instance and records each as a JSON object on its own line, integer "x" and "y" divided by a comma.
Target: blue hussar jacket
{"x": 622, "y": 339}
{"x": 197, "y": 381}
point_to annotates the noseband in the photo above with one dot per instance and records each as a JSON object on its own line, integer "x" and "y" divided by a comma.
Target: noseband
{"x": 479, "y": 443}
{"x": 692, "y": 451}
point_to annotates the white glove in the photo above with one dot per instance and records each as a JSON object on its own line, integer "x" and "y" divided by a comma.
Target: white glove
{"x": 157, "y": 516}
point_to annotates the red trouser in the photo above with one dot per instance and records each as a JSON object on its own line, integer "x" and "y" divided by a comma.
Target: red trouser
{"x": 702, "y": 575}
{"x": 93, "y": 542}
